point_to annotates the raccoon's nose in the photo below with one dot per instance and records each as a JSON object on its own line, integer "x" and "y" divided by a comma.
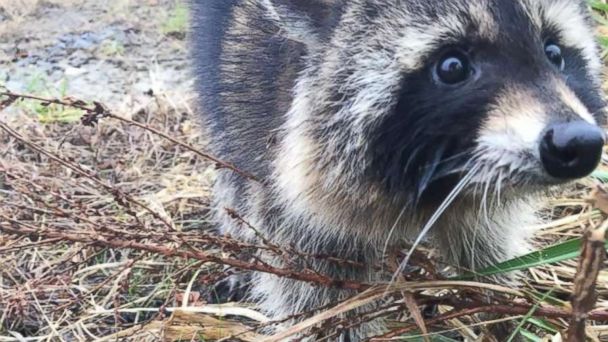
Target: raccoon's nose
{"x": 571, "y": 150}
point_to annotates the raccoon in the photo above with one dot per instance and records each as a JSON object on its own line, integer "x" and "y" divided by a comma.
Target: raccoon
{"x": 373, "y": 122}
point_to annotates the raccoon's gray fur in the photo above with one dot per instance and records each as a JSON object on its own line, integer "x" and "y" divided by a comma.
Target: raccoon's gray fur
{"x": 361, "y": 116}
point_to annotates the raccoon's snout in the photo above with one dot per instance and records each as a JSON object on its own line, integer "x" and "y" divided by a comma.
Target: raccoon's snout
{"x": 571, "y": 150}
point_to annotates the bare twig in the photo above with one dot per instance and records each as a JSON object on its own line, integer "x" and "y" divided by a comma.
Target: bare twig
{"x": 584, "y": 296}
{"x": 97, "y": 111}
{"x": 19, "y": 228}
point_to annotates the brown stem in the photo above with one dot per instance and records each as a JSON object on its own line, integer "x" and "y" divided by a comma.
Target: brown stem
{"x": 97, "y": 111}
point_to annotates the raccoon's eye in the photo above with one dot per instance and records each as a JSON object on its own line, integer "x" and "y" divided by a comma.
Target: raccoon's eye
{"x": 453, "y": 68}
{"x": 554, "y": 53}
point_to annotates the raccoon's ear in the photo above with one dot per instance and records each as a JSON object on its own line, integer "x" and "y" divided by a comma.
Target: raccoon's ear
{"x": 307, "y": 21}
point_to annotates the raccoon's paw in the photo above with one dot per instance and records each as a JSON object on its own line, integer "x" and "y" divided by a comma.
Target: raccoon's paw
{"x": 233, "y": 288}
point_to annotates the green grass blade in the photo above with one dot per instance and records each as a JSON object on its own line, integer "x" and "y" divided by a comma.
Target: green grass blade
{"x": 541, "y": 323}
{"x": 602, "y": 176}
{"x": 530, "y": 336}
{"x": 553, "y": 254}
{"x": 520, "y": 326}
{"x": 598, "y": 5}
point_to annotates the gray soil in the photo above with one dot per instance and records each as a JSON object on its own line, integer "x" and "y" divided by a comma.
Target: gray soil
{"x": 113, "y": 52}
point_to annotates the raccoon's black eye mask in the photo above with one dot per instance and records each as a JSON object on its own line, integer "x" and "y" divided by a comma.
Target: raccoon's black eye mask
{"x": 456, "y": 66}
{"x": 431, "y": 133}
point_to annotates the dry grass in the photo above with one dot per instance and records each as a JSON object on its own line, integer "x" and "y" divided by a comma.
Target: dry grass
{"x": 125, "y": 183}
{"x": 63, "y": 291}
{"x": 56, "y": 289}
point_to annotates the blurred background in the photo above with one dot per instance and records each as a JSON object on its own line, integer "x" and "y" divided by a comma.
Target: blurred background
{"x": 112, "y": 51}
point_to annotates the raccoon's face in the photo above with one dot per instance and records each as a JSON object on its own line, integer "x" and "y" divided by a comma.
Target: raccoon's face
{"x": 405, "y": 98}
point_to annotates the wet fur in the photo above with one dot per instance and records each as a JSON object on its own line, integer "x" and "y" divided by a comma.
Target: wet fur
{"x": 329, "y": 103}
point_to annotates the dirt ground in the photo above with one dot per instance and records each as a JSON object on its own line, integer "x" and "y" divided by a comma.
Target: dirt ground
{"x": 112, "y": 51}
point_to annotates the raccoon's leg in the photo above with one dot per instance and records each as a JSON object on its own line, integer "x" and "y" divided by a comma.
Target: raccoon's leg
{"x": 480, "y": 240}
{"x": 492, "y": 253}
{"x": 281, "y": 298}
{"x": 475, "y": 239}
{"x": 234, "y": 287}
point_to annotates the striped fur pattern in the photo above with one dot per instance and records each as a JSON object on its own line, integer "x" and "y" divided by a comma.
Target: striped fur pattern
{"x": 331, "y": 103}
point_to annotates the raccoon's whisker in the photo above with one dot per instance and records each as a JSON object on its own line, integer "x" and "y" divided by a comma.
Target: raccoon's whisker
{"x": 481, "y": 187}
{"x": 412, "y": 157}
{"x": 486, "y": 193}
{"x": 431, "y": 222}
{"x": 483, "y": 175}
{"x": 481, "y": 170}
{"x": 483, "y": 219}
{"x": 472, "y": 243}
{"x": 499, "y": 187}
{"x": 496, "y": 202}
{"x": 427, "y": 176}
{"x": 433, "y": 176}
{"x": 449, "y": 166}
{"x": 390, "y": 233}
{"x": 451, "y": 158}
{"x": 448, "y": 171}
